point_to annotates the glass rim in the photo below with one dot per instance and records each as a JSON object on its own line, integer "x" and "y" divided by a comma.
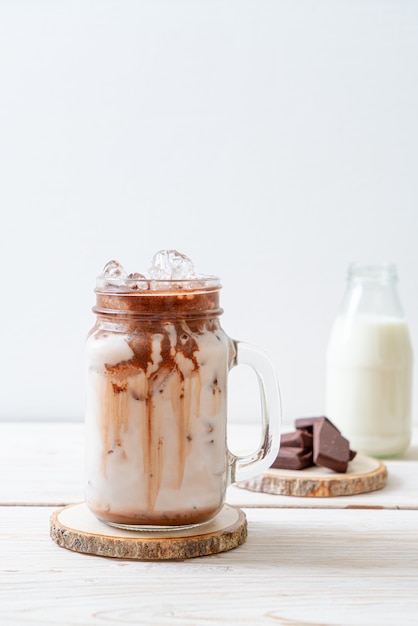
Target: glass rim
{"x": 384, "y": 269}
{"x": 157, "y": 285}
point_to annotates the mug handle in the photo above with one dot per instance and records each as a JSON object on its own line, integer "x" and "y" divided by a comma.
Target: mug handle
{"x": 245, "y": 467}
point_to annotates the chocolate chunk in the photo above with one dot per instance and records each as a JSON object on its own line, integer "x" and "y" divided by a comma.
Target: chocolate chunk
{"x": 308, "y": 423}
{"x": 293, "y": 458}
{"x": 297, "y": 439}
{"x": 316, "y": 441}
{"x": 330, "y": 448}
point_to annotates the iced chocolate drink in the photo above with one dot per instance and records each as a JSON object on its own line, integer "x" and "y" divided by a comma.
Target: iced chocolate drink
{"x": 157, "y": 366}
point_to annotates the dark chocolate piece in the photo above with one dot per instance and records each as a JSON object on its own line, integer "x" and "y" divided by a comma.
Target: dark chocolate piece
{"x": 352, "y": 454}
{"x": 297, "y": 439}
{"x": 293, "y": 458}
{"x": 316, "y": 441}
{"x": 330, "y": 448}
{"x": 308, "y": 423}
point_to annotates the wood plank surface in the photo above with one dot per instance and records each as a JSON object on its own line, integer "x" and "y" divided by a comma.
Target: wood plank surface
{"x": 47, "y": 462}
{"x": 298, "y": 567}
{"x": 307, "y": 561}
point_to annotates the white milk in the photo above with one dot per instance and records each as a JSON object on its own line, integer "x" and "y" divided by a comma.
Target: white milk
{"x": 190, "y": 462}
{"x": 369, "y": 371}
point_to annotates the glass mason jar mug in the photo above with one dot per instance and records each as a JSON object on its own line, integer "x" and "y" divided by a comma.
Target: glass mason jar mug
{"x": 156, "y": 405}
{"x": 369, "y": 364}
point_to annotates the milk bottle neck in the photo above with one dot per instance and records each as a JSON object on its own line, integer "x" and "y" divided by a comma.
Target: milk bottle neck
{"x": 382, "y": 273}
{"x": 372, "y": 289}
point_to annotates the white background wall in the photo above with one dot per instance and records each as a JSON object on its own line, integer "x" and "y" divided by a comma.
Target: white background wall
{"x": 271, "y": 141}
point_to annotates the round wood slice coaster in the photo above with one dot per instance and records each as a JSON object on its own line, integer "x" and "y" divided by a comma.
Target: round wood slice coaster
{"x": 364, "y": 474}
{"x": 74, "y": 527}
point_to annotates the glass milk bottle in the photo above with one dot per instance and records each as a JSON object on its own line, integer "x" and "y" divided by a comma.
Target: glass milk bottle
{"x": 369, "y": 364}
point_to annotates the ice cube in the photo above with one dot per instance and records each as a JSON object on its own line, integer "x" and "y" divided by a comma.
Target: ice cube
{"x": 171, "y": 265}
{"x": 137, "y": 281}
{"x": 114, "y": 270}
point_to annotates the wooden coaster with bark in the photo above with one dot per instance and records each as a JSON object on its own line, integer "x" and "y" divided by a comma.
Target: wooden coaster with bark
{"x": 74, "y": 527}
{"x": 364, "y": 474}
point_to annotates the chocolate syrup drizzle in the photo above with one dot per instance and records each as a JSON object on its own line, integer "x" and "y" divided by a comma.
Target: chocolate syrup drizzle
{"x": 164, "y": 361}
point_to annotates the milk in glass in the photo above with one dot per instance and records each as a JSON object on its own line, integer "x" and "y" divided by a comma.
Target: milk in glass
{"x": 369, "y": 365}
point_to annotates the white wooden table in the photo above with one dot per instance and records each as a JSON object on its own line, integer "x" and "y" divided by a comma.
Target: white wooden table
{"x": 347, "y": 560}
